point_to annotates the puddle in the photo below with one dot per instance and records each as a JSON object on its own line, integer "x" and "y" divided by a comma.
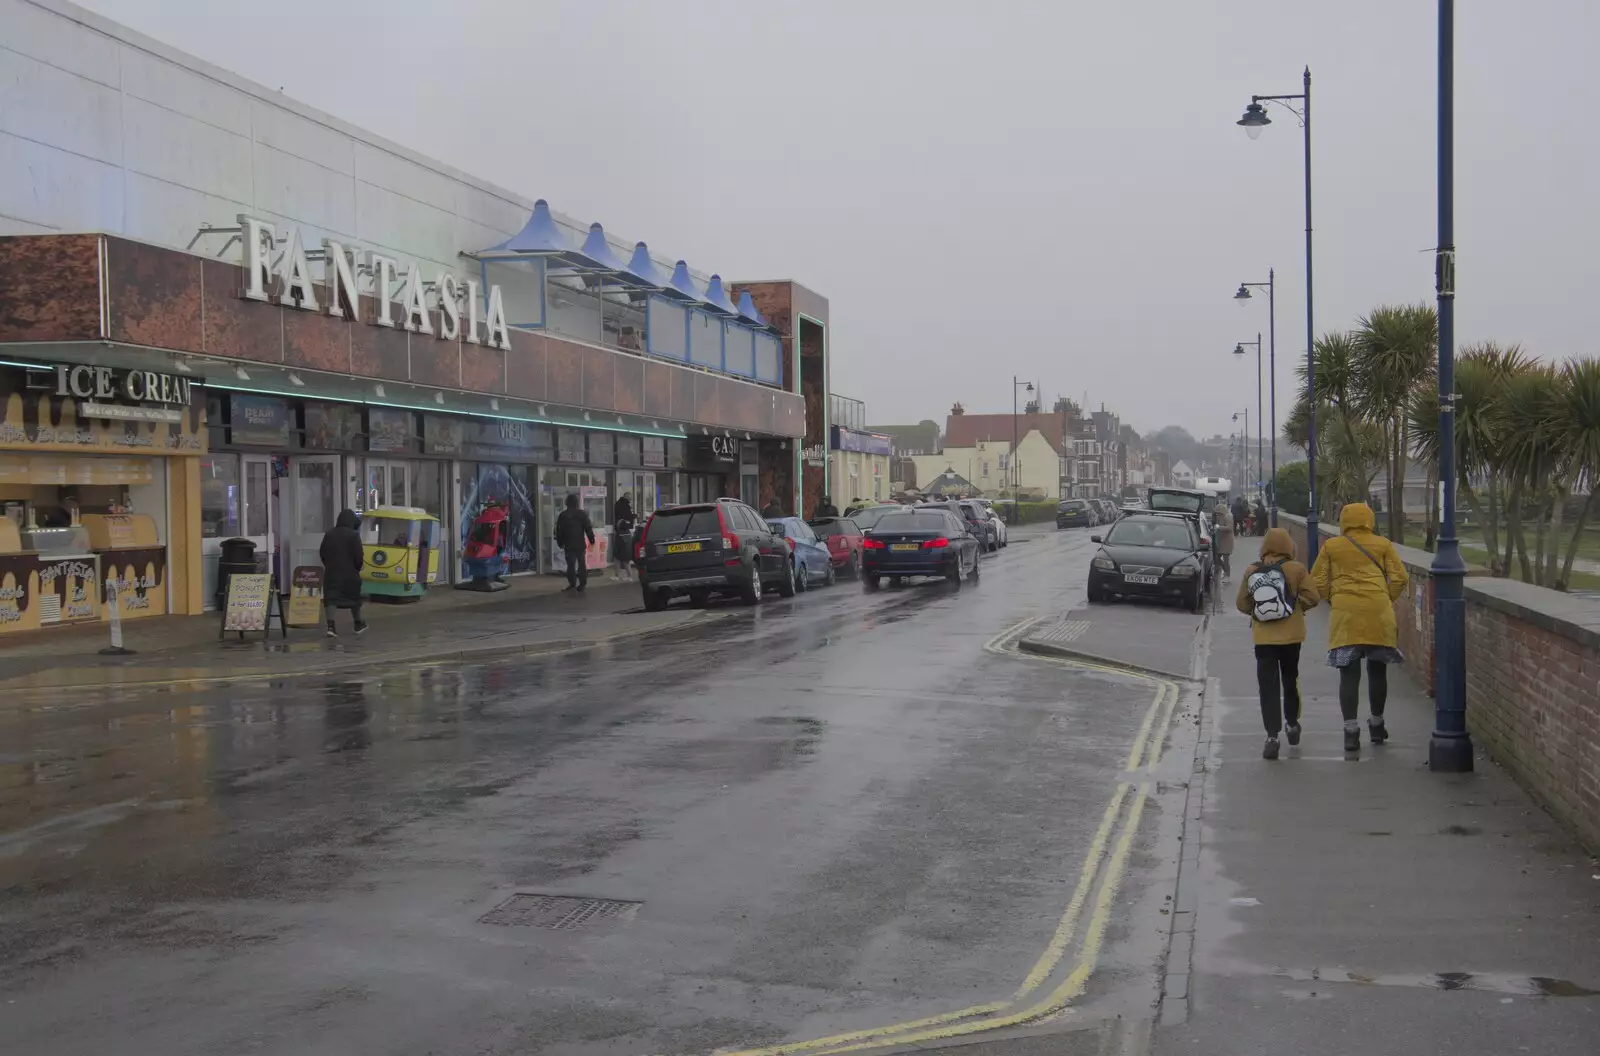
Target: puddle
{"x": 1485, "y": 982}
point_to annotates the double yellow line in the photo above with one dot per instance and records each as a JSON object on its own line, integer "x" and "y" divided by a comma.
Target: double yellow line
{"x": 1024, "y": 1005}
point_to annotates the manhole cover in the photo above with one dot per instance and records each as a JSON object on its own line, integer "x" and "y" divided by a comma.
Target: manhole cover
{"x": 558, "y": 911}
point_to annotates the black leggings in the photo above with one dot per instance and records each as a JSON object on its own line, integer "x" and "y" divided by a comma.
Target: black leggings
{"x": 1350, "y": 688}
{"x": 1278, "y": 677}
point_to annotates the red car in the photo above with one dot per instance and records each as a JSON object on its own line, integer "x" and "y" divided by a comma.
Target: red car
{"x": 843, "y": 540}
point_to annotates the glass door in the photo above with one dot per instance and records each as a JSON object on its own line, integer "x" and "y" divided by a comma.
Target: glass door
{"x": 256, "y": 471}
{"x": 309, "y": 508}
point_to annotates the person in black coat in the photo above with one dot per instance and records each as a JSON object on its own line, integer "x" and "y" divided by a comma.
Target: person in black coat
{"x": 825, "y": 508}
{"x": 622, "y": 526}
{"x": 573, "y": 529}
{"x": 342, "y": 559}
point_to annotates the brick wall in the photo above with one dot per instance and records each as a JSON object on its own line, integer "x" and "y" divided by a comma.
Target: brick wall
{"x": 1533, "y": 681}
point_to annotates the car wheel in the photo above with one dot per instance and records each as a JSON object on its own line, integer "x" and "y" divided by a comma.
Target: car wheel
{"x": 1197, "y": 600}
{"x": 802, "y": 580}
{"x": 869, "y": 583}
{"x": 973, "y": 575}
{"x": 830, "y": 576}
{"x": 855, "y": 566}
{"x": 953, "y": 573}
{"x": 654, "y": 600}
{"x": 786, "y": 587}
{"x": 750, "y": 593}
{"x": 699, "y": 598}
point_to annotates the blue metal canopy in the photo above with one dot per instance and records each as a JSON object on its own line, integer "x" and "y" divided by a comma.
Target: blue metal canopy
{"x": 540, "y": 235}
{"x": 717, "y": 298}
{"x": 684, "y": 283}
{"x": 641, "y": 267}
{"x": 599, "y": 251}
{"x": 747, "y": 310}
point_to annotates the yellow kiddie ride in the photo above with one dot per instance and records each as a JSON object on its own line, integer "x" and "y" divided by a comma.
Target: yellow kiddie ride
{"x": 401, "y": 547}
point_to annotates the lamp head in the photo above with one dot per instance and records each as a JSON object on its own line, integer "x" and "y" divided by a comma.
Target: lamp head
{"x": 1254, "y": 120}
{"x": 1243, "y": 295}
{"x": 1238, "y": 349}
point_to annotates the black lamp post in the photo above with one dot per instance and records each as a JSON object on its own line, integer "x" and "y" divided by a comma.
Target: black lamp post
{"x": 1254, "y": 120}
{"x": 1015, "y": 474}
{"x": 1244, "y": 445}
{"x": 1238, "y": 350}
{"x": 1450, "y": 748}
{"x": 1243, "y": 298}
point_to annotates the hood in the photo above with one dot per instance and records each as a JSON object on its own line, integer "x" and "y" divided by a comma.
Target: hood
{"x": 1357, "y": 515}
{"x": 347, "y": 519}
{"x": 1277, "y": 545}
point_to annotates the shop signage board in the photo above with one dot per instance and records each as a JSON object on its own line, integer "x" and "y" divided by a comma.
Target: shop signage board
{"x": 389, "y": 429}
{"x": 265, "y": 421}
{"x": 39, "y": 412}
{"x": 571, "y": 446}
{"x": 251, "y": 605}
{"x": 815, "y": 455}
{"x": 305, "y": 596}
{"x": 332, "y": 426}
{"x": 438, "y": 305}
{"x": 863, "y": 443}
{"x": 703, "y": 449}
{"x": 655, "y": 452}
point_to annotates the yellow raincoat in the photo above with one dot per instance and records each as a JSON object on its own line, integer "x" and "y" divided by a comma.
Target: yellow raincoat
{"x": 1361, "y": 590}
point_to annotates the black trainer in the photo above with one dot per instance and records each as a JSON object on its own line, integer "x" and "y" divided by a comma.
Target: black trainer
{"x": 1292, "y": 731}
{"x": 1270, "y": 749}
{"x": 1377, "y": 730}
{"x": 361, "y": 628}
{"x": 1352, "y": 740}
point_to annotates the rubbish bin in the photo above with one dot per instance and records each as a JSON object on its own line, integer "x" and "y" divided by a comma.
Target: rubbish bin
{"x": 238, "y": 555}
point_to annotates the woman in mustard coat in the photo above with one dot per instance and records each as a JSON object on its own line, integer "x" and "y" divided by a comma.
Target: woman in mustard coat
{"x": 1360, "y": 576}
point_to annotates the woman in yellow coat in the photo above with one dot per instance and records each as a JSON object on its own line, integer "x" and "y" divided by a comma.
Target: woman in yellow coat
{"x": 1360, "y": 576}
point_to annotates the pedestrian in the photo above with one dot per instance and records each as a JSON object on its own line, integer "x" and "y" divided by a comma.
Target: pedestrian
{"x": 573, "y": 530}
{"x": 622, "y": 522}
{"x": 1360, "y": 574}
{"x": 1222, "y": 537}
{"x": 1241, "y": 513}
{"x": 825, "y": 508}
{"x": 1261, "y": 518}
{"x": 342, "y": 558}
{"x": 1276, "y": 592}
{"x": 772, "y": 511}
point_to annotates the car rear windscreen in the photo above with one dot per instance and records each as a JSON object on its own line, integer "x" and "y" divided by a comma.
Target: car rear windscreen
{"x": 870, "y": 516}
{"x": 1075, "y": 504}
{"x": 673, "y": 524}
{"x": 824, "y": 529}
{"x": 1151, "y": 531}
{"x": 1181, "y": 503}
{"x": 912, "y": 522}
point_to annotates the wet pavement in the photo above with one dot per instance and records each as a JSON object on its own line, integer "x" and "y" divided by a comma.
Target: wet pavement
{"x": 860, "y": 818}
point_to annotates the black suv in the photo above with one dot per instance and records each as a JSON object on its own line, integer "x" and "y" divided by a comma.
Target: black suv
{"x": 721, "y": 547}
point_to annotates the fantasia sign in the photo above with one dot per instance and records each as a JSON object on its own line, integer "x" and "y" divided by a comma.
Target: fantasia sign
{"x": 287, "y": 281}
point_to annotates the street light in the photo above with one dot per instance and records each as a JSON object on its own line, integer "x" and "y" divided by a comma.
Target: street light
{"x": 1243, "y": 298}
{"x": 1238, "y": 350}
{"x": 1450, "y": 747}
{"x": 1016, "y": 477}
{"x": 1254, "y": 120}
{"x": 1244, "y": 448}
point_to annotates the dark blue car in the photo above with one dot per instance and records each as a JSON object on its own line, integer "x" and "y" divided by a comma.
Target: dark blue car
{"x": 920, "y": 542}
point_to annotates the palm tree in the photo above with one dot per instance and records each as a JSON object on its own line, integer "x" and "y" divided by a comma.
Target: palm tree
{"x": 1395, "y": 350}
{"x": 1347, "y": 453}
{"x": 1577, "y": 440}
{"x": 1532, "y": 407}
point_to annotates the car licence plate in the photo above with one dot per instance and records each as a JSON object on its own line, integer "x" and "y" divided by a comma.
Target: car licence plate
{"x": 683, "y": 548}
{"x": 904, "y": 546}
{"x": 1143, "y": 581}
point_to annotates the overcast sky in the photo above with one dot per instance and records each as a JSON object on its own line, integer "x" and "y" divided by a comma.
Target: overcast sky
{"x": 1052, "y": 189}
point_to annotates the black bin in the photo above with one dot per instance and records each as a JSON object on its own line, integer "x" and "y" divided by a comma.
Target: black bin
{"x": 238, "y": 555}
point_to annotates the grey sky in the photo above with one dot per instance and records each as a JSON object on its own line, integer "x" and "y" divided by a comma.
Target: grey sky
{"x": 1051, "y": 189}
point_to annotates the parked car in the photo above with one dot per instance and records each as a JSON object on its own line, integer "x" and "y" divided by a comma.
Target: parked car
{"x": 1108, "y": 510}
{"x": 813, "y": 563}
{"x": 867, "y": 517}
{"x": 1151, "y": 555}
{"x": 998, "y": 521}
{"x": 843, "y": 538}
{"x": 1074, "y": 513}
{"x": 968, "y": 511}
{"x": 975, "y": 512}
{"x": 921, "y": 541}
{"x": 1196, "y": 505}
{"x": 710, "y": 548}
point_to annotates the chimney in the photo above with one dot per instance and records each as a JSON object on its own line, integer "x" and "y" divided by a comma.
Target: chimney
{"x": 956, "y": 408}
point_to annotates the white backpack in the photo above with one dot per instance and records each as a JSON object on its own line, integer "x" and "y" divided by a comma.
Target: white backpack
{"x": 1269, "y": 594}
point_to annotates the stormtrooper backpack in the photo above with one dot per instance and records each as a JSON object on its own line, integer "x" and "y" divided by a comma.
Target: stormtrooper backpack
{"x": 1269, "y": 594}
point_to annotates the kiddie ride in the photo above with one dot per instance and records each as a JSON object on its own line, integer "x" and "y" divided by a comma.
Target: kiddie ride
{"x": 401, "y": 547}
{"x": 483, "y": 556}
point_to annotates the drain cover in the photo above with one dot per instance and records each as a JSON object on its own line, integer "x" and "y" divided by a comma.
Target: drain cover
{"x": 558, "y": 911}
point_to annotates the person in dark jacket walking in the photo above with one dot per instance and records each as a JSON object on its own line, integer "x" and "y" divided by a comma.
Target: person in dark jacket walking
{"x": 573, "y": 530}
{"x": 342, "y": 558}
{"x": 622, "y": 525}
{"x": 825, "y": 508}
{"x": 772, "y": 511}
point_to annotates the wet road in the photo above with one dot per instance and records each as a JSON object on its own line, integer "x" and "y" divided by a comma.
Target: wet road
{"x": 833, "y": 815}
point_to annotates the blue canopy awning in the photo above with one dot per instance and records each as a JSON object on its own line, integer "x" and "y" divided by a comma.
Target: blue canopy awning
{"x": 717, "y": 298}
{"x": 747, "y": 310}
{"x": 642, "y": 268}
{"x": 684, "y": 283}
{"x": 599, "y": 252}
{"x": 540, "y": 236}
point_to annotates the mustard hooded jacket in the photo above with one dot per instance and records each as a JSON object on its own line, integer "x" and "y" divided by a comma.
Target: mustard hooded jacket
{"x": 1278, "y": 549}
{"x": 1360, "y": 589}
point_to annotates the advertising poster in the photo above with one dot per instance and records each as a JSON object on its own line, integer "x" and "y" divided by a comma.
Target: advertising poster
{"x": 388, "y": 429}
{"x": 305, "y": 596}
{"x": 508, "y": 486}
{"x": 264, "y": 421}
{"x": 248, "y": 595}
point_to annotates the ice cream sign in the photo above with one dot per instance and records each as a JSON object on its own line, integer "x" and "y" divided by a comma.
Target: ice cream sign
{"x": 443, "y": 307}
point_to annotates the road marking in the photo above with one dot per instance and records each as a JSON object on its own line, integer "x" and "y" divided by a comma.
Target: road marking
{"x": 1066, "y": 631}
{"x": 964, "y": 1021}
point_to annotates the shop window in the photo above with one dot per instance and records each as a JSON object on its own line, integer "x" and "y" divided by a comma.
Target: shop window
{"x": 255, "y": 498}
{"x": 219, "y": 497}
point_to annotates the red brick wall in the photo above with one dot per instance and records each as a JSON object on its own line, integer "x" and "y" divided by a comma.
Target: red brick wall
{"x": 1533, "y": 682}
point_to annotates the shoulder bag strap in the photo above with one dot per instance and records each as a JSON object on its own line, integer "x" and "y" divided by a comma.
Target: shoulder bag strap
{"x": 1370, "y": 557}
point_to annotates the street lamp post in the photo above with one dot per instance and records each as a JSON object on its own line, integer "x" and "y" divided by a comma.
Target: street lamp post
{"x": 1238, "y": 350}
{"x": 1254, "y": 120}
{"x": 1243, "y": 297}
{"x": 1450, "y": 748}
{"x": 1014, "y": 474}
{"x": 1244, "y": 445}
